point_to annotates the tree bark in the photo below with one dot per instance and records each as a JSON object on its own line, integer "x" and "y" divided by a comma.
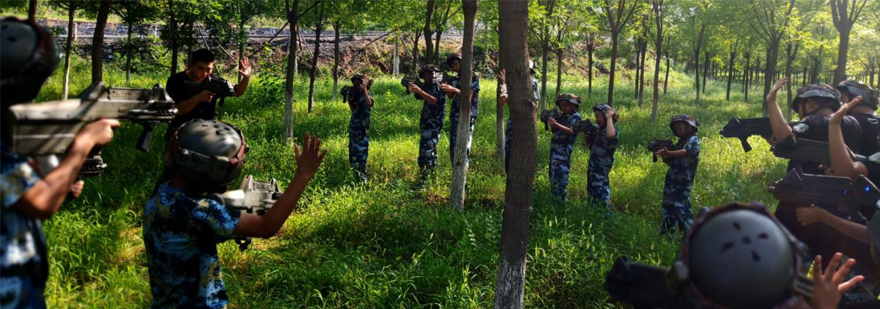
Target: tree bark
{"x": 614, "y": 41}
{"x": 591, "y": 45}
{"x": 292, "y": 19}
{"x": 429, "y": 13}
{"x": 437, "y": 44}
{"x": 697, "y": 48}
{"x": 558, "y": 72}
{"x": 545, "y": 51}
{"x": 319, "y": 26}
{"x": 32, "y": 10}
{"x": 500, "y": 137}
{"x": 71, "y": 37}
{"x": 730, "y": 71}
{"x": 844, "y": 15}
{"x": 657, "y": 5}
{"x": 128, "y": 54}
{"x": 790, "y": 54}
{"x": 842, "y": 50}
{"x": 175, "y": 44}
{"x": 642, "y": 69}
{"x": 666, "y": 78}
{"x": 706, "y": 65}
{"x": 513, "y": 39}
{"x": 747, "y": 75}
{"x": 460, "y": 164}
{"x": 336, "y": 27}
{"x": 98, "y": 42}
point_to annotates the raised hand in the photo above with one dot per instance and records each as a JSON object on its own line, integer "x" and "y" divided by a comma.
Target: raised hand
{"x": 779, "y": 83}
{"x": 829, "y": 286}
{"x": 246, "y": 69}
{"x": 309, "y": 157}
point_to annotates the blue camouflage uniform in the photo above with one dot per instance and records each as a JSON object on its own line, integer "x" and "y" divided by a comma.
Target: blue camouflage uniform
{"x": 677, "y": 190}
{"x": 24, "y": 264}
{"x": 454, "y": 116}
{"x": 430, "y": 126}
{"x": 561, "y": 146}
{"x": 181, "y": 233}
{"x": 508, "y": 133}
{"x": 599, "y": 166}
{"x": 358, "y": 134}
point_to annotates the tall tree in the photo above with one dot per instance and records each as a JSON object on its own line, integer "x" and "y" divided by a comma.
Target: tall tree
{"x": 771, "y": 26}
{"x": 460, "y": 163}
{"x": 70, "y": 7}
{"x": 32, "y": 9}
{"x": 513, "y": 42}
{"x": 845, "y": 14}
{"x": 320, "y": 19}
{"x": 98, "y": 42}
{"x": 429, "y": 13}
{"x": 293, "y": 14}
{"x": 447, "y": 11}
{"x": 618, "y": 16}
{"x": 134, "y": 14}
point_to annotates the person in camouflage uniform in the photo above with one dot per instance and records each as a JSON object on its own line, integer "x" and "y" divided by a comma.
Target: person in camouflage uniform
{"x": 360, "y": 101}
{"x": 28, "y": 56}
{"x": 602, "y": 146}
{"x": 869, "y": 123}
{"x": 681, "y": 174}
{"x": 453, "y": 91}
{"x": 431, "y": 121}
{"x": 508, "y": 131}
{"x": 185, "y": 219}
{"x": 562, "y": 143}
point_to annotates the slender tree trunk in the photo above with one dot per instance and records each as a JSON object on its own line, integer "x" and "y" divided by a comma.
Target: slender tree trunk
{"x": 658, "y": 50}
{"x": 128, "y": 54}
{"x": 460, "y": 164}
{"x": 71, "y": 37}
{"x": 747, "y": 75}
{"x": 500, "y": 137}
{"x": 590, "y": 47}
{"x": 638, "y": 49}
{"x": 770, "y": 71}
{"x": 292, "y": 13}
{"x": 336, "y": 27}
{"x": 172, "y": 27}
{"x": 666, "y": 78}
{"x": 842, "y": 50}
{"x": 437, "y": 43}
{"x": 558, "y": 72}
{"x": 545, "y": 50}
{"x": 790, "y": 54}
{"x": 513, "y": 37}
{"x": 243, "y": 37}
{"x": 706, "y": 65}
{"x": 32, "y": 9}
{"x": 98, "y": 42}
{"x": 642, "y": 76}
{"x": 319, "y": 26}
{"x": 730, "y": 74}
{"x": 804, "y": 77}
{"x": 697, "y": 49}
{"x": 429, "y": 13}
{"x": 615, "y": 36}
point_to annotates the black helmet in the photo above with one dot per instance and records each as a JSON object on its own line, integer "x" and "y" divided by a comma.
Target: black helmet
{"x": 569, "y": 98}
{"x": 429, "y": 68}
{"x": 208, "y": 152}
{"x": 739, "y": 256}
{"x": 452, "y": 57}
{"x": 691, "y": 121}
{"x": 820, "y": 91}
{"x": 856, "y": 89}
{"x": 362, "y": 78}
{"x": 28, "y": 56}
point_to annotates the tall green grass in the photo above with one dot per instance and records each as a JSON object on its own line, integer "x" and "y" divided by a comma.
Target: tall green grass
{"x": 382, "y": 244}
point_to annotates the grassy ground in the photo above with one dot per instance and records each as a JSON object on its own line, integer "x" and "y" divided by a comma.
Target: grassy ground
{"x": 382, "y": 244}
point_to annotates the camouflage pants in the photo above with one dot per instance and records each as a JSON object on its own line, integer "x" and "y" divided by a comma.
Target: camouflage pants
{"x": 358, "y": 145}
{"x": 598, "y": 186}
{"x": 560, "y": 166}
{"x": 453, "y": 135}
{"x": 430, "y": 128}
{"x": 676, "y": 209}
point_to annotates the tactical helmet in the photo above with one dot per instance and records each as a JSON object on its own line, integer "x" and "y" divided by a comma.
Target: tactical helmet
{"x": 856, "y": 89}
{"x": 739, "y": 256}
{"x": 208, "y": 152}
{"x": 604, "y": 108}
{"x": 362, "y": 78}
{"x": 429, "y": 68}
{"x": 453, "y": 57}
{"x": 820, "y": 91}
{"x": 568, "y": 98}
{"x": 690, "y": 120}
{"x": 28, "y": 56}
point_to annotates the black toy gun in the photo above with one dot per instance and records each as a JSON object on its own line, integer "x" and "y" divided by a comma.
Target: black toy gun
{"x": 49, "y": 128}
{"x": 587, "y": 127}
{"x": 345, "y": 91}
{"x": 216, "y": 85}
{"x": 550, "y": 113}
{"x": 802, "y": 149}
{"x": 254, "y": 197}
{"x": 407, "y": 81}
{"x": 656, "y": 144}
{"x": 643, "y": 286}
{"x": 849, "y": 196}
{"x": 743, "y": 128}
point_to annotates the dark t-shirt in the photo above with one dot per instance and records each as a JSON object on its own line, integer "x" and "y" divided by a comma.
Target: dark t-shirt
{"x": 872, "y": 164}
{"x": 870, "y": 126}
{"x": 815, "y": 127}
{"x": 179, "y": 92}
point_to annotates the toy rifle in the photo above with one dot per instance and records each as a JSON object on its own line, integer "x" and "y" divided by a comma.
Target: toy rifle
{"x": 849, "y": 196}
{"x": 802, "y": 149}
{"x": 49, "y": 128}
{"x": 550, "y": 113}
{"x": 743, "y": 128}
{"x": 254, "y": 197}
{"x": 643, "y": 286}
{"x": 216, "y": 85}
{"x": 656, "y": 144}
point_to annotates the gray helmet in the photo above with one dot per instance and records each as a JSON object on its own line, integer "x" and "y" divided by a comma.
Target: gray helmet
{"x": 856, "y": 89}
{"x": 569, "y": 98}
{"x": 690, "y": 120}
{"x": 820, "y": 91}
{"x": 28, "y": 56}
{"x": 739, "y": 256}
{"x": 208, "y": 152}
{"x": 453, "y": 57}
{"x": 429, "y": 68}
{"x": 604, "y": 108}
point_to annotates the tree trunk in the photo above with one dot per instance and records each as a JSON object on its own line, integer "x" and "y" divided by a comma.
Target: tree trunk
{"x": 336, "y": 26}
{"x": 697, "y": 49}
{"x": 658, "y": 50}
{"x": 172, "y": 27}
{"x": 770, "y": 71}
{"x": 429, "y": 13}
{"x": 98, "y": 42}
{"x": 642, "y": 76}
{"x": 790, "y": 54}
{"x": 292, "y": 13}
{"x": 32, "y": 10}
{"x": 545, "y": 50}
{"x": 558, "y": 72}
{"x": 437, "y": 44}
{"x": 804, "y": 77}
{"x": 319, "y": 26}
{"x": 730, "y": 74}
{"x": 460, "y": 165}
{"x": 513, "y": 39}
{"x": 615, "y": 39}
{"x": 71, "y": 37}
{"x": 243, "y": 37}
{"x": 638, "y": 49}
{"x": 500, "y": 137}
{"x": 128, "y": 54}
{"x": 666, "y": 78}
{"x": 842, "y": 50}
{"x": 591, "y": 45}
{"x": 747, "y": 75}
{"x": 706, "y": 65}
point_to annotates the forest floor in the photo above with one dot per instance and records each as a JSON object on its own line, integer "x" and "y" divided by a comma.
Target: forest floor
{"x": 383, "y": 244}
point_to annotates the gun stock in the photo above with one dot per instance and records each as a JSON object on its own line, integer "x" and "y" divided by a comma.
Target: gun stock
{"x": 802, "y": 149}
{"x": 642, "y": 286}
{"x": 255, "y": 197}
{"x": 656, "y": 144}
{"x": 744, "y": 128}
{"x": 849, "y": 196}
